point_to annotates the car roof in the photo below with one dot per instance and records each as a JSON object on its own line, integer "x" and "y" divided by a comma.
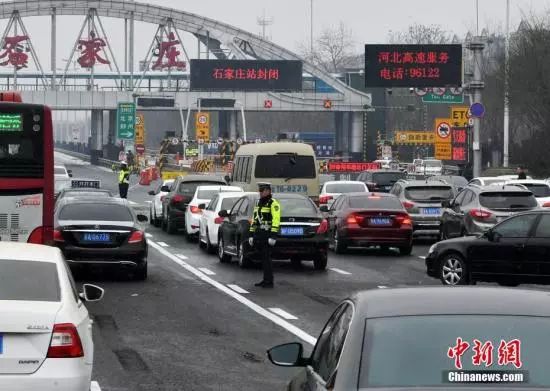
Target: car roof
{"x": 342, "y": 182}
{"x": 276, "y": 148}
{"x": 288, "y": 196}
{"x": 466, "y": 300}
{"x": 58, "y": 166}
{"x": 216, "y": 187}
{"x": 528, "y": 181}
{"x": 29, "y": 252}
{"x": 499, "y": 188}
{"x": 367, "y": 194}
{"x": 203, "y": 178}
{"x": 84, "y": 189}
{"x": 385, "y": 170}
{"x": 424, "y": 183}
{"x": 229, "y": 194}
{"x": 91, "y": 200}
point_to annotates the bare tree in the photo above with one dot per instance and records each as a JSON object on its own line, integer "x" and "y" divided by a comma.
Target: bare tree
{"x": 421, "y": 34}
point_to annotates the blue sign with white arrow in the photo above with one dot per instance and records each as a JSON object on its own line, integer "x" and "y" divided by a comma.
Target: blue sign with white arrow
{"x": 477, "y": 110}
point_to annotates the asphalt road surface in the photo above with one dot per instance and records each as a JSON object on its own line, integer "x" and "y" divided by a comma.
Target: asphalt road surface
{"x": 197, "y": 324}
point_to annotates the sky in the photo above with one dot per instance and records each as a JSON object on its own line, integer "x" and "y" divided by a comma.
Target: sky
{"x": 369, "y": 20}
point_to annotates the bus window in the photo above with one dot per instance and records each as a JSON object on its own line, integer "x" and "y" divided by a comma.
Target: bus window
{"x": 285, "y": 166}
{"x": 244, "y": 170}
{"x": 249, "y": 169}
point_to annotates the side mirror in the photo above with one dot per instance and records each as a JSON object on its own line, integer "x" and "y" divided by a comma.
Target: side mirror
{"x": 287, "y": 355}
{"x": 323, "y": 208}
{"x": 70, "y": 175}
{"x": 69, "y": 171}
{"x": 91, "y": 293}
{"x": 151, "y": 193}
{"x": 142, "y": 218}
{"x": 202, "y": 206}
{"x": 223, "y": 213}
{"x": 165, "y": 189}
{"x": 227, "y": 178}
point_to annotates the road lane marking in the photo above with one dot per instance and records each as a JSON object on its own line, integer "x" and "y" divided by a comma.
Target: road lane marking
{"x": 237, "y": 288}
{"x": 148, "y": 235}
{"x": 95, "y": 386}
{"x": 148, "y": 202}
{"x": 206, "y": 271}
{"x": 339, "y": 271}
{"x": 163, "y": 244}
{"x": 282, "y": 313}
{"x": 421, "y": 257}
{"x": 182, "y": 257}
{"x": 241, "y": 299}
{"x": 133, "y": 187}
{"x": 382, "y": 286}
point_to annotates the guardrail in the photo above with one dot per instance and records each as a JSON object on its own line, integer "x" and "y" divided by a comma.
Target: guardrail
{"x": 102, "y": 162}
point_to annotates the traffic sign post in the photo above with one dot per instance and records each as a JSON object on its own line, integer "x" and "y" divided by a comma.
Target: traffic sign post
{"x": 126, "y": 121}
{"x": 446, "y": 97}
{"x": 202, "y": 126}
{"x": 140, "y": 130}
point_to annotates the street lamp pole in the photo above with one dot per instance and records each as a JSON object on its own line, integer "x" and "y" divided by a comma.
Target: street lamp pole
{"x": 506, "y": 89}
{"x": 311, "y": 27}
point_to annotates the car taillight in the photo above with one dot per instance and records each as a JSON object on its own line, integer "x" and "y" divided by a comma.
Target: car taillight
{"x": 408, "y": 205}
{"x": 136, "y": 237}
{"x": 58, "y": 236}
{"x": 404, "y": 221}
{"x": 546, "y": 205}
{"x": 65, "y": 342}
{"x": 480, "y": 214}
{"x": 177, "y": 199}
{"x": 324, "y": 199}
{"x": 41, "y": 235}
{"x": 352, "y": 220}
{"x": 218, "y": 220}
{"x": 195, "y": 209}
{"x": 323, "y": 228}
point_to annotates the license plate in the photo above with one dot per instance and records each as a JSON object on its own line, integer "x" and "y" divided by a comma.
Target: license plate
{"x": 85, "y": 184}
{"x": 431, "y": 211}
{"x": 380, "y": 221}
{"x": 292, "y": 231}
{"x": 96, "y": 238}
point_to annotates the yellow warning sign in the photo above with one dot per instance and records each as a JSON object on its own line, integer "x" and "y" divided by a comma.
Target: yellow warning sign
{"x": 140, "y": 130}
{"x": 443, "y": 151}
{"x": 202, "y": 126}
{"x": 413, "y": 137}
{"x": 459, "y": 116}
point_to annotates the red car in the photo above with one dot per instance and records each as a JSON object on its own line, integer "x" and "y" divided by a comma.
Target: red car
{"x": 369, "y": 219}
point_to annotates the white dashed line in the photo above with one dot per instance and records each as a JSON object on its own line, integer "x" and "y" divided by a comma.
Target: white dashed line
{"x": 148, "y": 235}
{"x": 340, "y": 271}
{"x": 238, "y": 289}
{"x": 181, "y": 256}
{"x": 278, "y": 320}
{"x": 163, "y": 244}
{"x": 206, "y": 271}
{"x": 132, "y": 203}
{"x": 282, "y": 313}
{"x": 95, "y": 386}
{"x": 421, "y": 257}
{"x": 382, "y": 286}
{"x": 148, "y": 202}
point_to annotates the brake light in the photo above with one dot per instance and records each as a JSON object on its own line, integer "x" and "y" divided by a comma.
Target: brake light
{"x": 41, "y": 235}
{"x": 546, "y": 205}
{"x": 136, "y": 237}
{"x": 323, "y": 228}
{"x": 65, "y": 342}
{"x": 218, "y": 220}
{"x": 404, "y": 221}
{"x": 408, "y": 205}
{"x": 324, "y": 199}
{"x": 480, "y": 214}
{"x": 352, "y": 220}
{"x": 177, "y": 199}
{"x": 195, "y": 209}
{"x": 58, "y": 236}
{"x": 373, "y": 197}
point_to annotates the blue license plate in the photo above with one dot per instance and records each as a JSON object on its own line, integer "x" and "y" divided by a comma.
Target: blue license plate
{"x": 1, "y": 344}
{"x": 380, "y": 221}
{"x": 292, "y": 231}
{"x": 96, "y": 238}
{"x": 431, "y": 211}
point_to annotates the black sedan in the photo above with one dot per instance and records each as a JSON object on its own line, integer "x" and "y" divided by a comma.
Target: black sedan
{"x": 428, "y": 338}
{"x": 303, "y": 233}
{"x": 103, "y": 232}
{"x": 516, "y": 251}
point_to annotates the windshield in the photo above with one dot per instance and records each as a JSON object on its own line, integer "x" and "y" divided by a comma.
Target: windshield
{"x": 419, "y": 351}
{"x": 227, "y": 203}
{"x": 285, "y": 166}
{"x": 387, "y": 178}
{"x": 429, "y": 193}
{"x": 375, "y": 202}
{"x": 207, "y": 194}
{"x": 507, "y": 200}
{"x": 28, "y": 281}
{"x": 539, "y": 190}
{"x": 96, "y": 212}
{"x": 297, "y": 207}
{"x": 493, "y": 181}
{"x": 345, "y": 188}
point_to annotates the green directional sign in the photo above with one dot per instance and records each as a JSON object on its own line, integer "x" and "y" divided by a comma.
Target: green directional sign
{"x": 126, "y": 121}
{"x": 445, "y": 98}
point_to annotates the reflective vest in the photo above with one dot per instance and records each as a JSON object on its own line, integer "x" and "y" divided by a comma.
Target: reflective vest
{"x": 267, "y": 216}
{"x": 124, "y": 176}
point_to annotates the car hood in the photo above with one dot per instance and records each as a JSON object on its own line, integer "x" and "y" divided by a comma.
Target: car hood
{"x": 462, "y": 239}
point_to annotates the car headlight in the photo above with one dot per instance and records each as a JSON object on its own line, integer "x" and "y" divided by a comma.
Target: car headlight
{"x": 432, "y": 249}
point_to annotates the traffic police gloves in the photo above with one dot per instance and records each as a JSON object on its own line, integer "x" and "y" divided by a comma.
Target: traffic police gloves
{"x": 251, "y": 241}
{"x": 271, "y": 241}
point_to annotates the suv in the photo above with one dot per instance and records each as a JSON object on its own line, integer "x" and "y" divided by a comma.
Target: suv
{"x": 478, "y": 208}
{"x": 181, "y": 192}
{"x": 381, "y": 180}
{"x": 423, "y": 202}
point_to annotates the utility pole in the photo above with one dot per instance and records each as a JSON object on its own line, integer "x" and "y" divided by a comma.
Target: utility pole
{"x": 476, "y": 86}
{"x": 264, "y": 21}
{"x": 311, "y": 27}
{"x": 506, "y": 89}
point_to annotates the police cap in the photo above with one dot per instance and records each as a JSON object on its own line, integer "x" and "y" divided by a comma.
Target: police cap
{"x": 264, "y": 186}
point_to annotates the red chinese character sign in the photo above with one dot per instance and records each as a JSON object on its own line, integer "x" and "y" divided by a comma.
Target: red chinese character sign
{"x": 459, "y": 142}
{"x": 246, "y": 75}
{"x": 413, "y": 65}
{"x": 13, "y": 52}
{"x": 168, "y": 54}
{"x": 91, "y": 51}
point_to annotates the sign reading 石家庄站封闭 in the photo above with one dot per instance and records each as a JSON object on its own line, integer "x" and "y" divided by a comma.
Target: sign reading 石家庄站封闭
{"x": 246, "y": 75}
{"x": 413, "y": 65}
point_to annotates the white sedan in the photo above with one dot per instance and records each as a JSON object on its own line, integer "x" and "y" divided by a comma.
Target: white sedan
{"x": 203, "y": 195}
{"x": 155, "y": 209}
{"x": 45, "y": 330}
{"x": 333, "y": 189}
{"x": 210, "y": 220}
{"x": 539, "y": 188}
{"x": 62, "y": 178}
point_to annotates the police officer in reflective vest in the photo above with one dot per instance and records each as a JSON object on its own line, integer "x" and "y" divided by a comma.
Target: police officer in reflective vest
{"x": 123, "y": 180}
{"x": 264, "y": 230}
